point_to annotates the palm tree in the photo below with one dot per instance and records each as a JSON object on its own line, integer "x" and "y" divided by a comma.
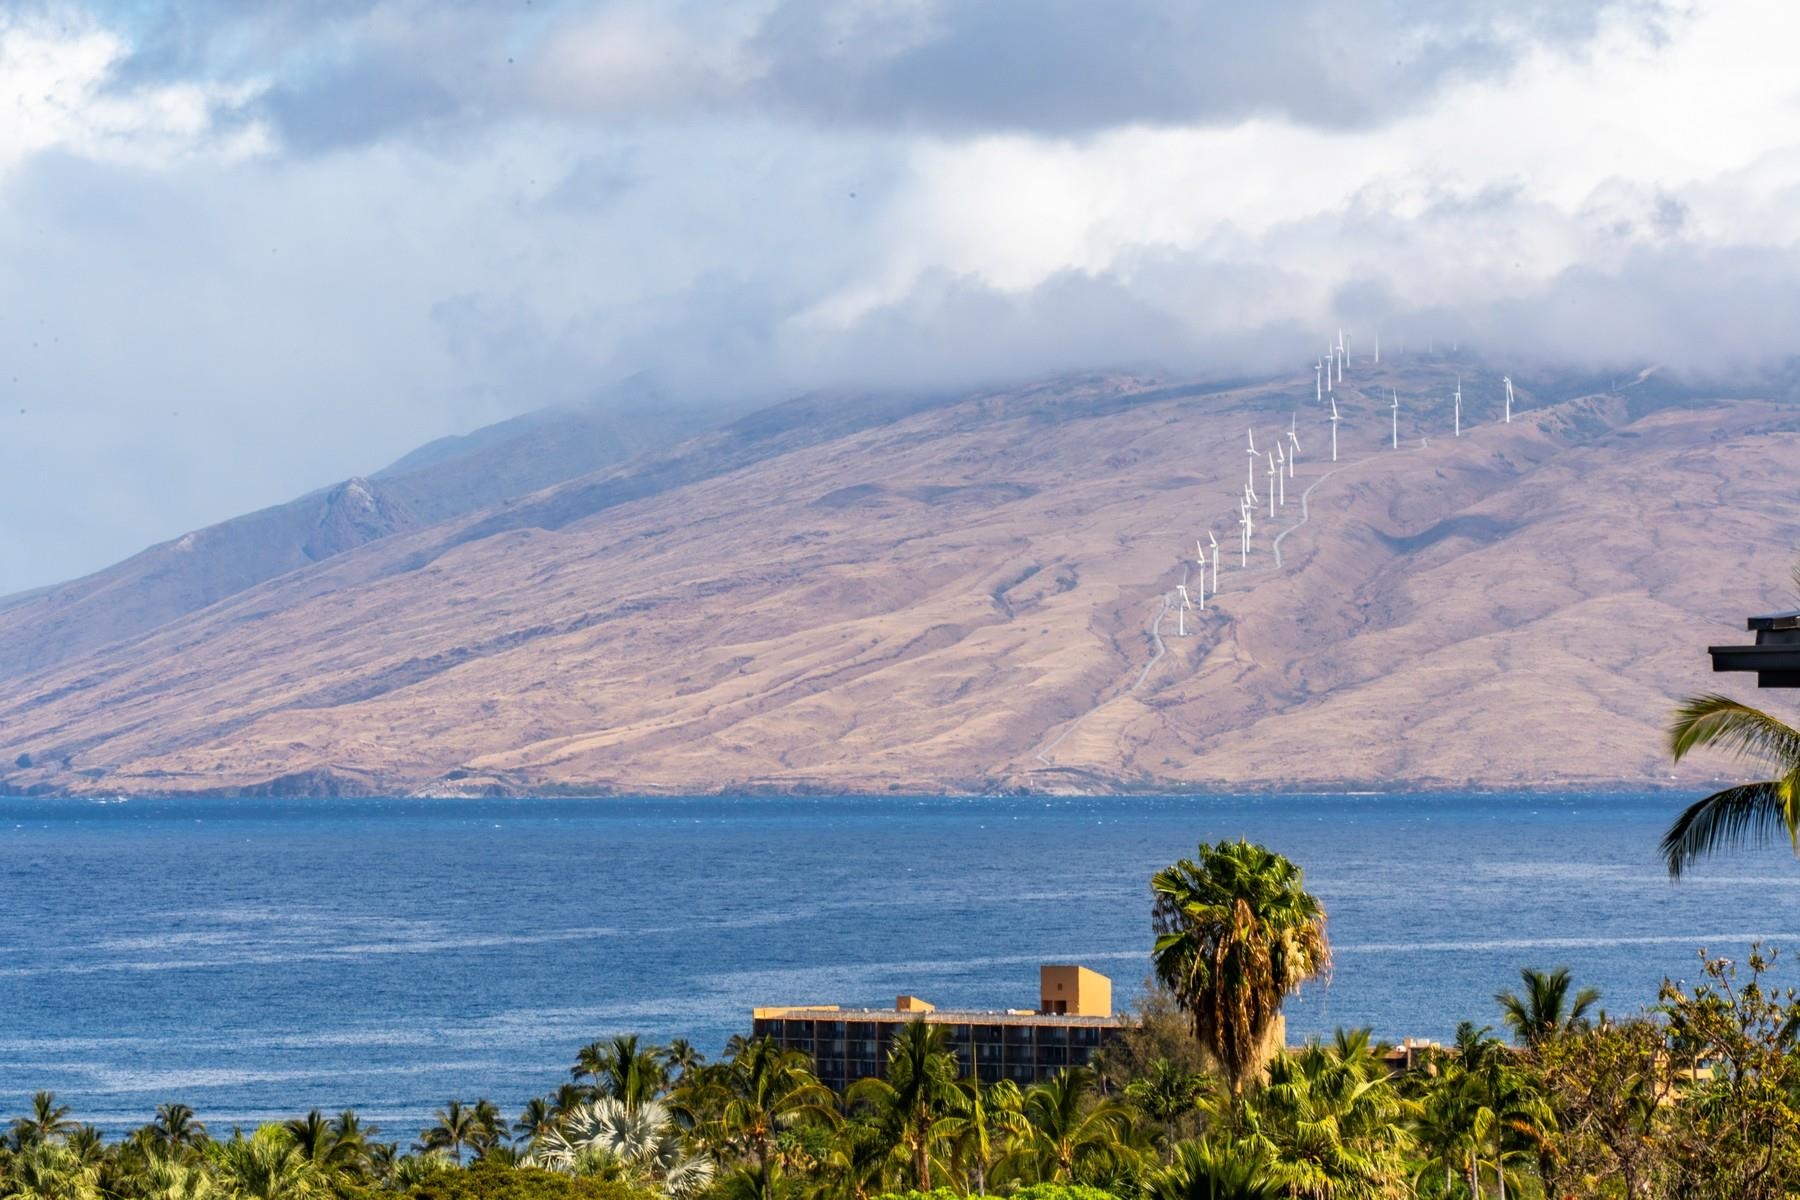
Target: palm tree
{"x": 490, "y": 1127}
{"x": 638, "y": 1144}
{"x": 48, "y": 1170}
{"x": 46, "y": 1122}
{"x": 1750, "y": 812}
{"x": 590, "y": 1064}
{"x": 1213, "y": 1171}
{"x": 1167, "y": 1094}
{"x": 1066, "y": 1132}
{"x": 681, "y": 1057}
{"x": 912, "y": 1103}
{"x": 536, "y": 1119}
{"x": 456, "y": 1129}
{"x": 265, "y": 1166}
{"x": 176, "y": 1125}
{"x": 983, "y": 1118}
{"x": 351, "y": 1141}
{"x": 1544, "y": 1010}
{"x": 1236, "y": 932}
{"x": 742, "y": 1105}
{"x": 1329, "y": 1121}
{"x": 171, "y": 1179}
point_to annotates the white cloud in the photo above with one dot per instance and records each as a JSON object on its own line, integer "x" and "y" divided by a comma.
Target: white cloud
{"x": 54, "y": 88}
{"x": 325, "y": 232}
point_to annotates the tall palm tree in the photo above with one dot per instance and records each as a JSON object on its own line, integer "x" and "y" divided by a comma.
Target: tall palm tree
{"x": 1236, "y": 933}
{"x": 490, "y": 1127}
{"x": 1330, "y": 1122}
{"x": 1544, "y": 1010}
{"x": 984, "y": 1118}
{"x": 743, "y": 1104}
{"x": 176, "y": 1125}
{"x": 456, "y": 1129}
{"x": 920, "y": 1091}
{"x": 46, "y": 1122}
{"x": 536, "y": 1119}
{"x": 1067, "y": 1131}
{"x": 680, "y": 1056}
{"x": 1750, "y": 812}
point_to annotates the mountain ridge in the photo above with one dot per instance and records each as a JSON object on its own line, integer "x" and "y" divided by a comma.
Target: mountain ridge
{"x": 921, "y": 594}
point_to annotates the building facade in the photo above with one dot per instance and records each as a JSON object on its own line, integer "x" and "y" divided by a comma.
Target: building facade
{"x": 1072, "y": 1021}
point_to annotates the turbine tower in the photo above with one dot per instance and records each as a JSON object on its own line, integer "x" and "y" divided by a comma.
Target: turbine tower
{"x": 1280, "y": 474}
{"x": 1318, "y": 382}
{"x": 1457, "y": 399}
{"x": 1251, "y": 433}
{"x": 1507, "y": 380}
{"x": 1293, "y": 443}
{"x": 1215, "y": 557}
{"x": 1378, "y": 347}
{"x": 1202, "y": 561}
{"x": 1181, "y": 610}
{"x": 1396, "y": 407}
{"x": 1272, "y": 473}
{"x": 1243, "y": 534}
{"x": 1334, "y": 423}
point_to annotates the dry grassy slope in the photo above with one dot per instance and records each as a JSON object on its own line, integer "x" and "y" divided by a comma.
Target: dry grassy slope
{"x": 961, "y": 599}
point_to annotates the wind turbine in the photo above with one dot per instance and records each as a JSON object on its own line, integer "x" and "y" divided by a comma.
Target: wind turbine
{"x": 1334, "y": 423}
{"x": 1293, "y": 442}
{"x": 1202, "y": 560}
{"x": 1243, "y": 534}
{"x": 1250, "y": 518}
{"x": 1318, "y": 381}
{"x": 1181, "y": 610}
{"x": 1396, "y": 407}
{"x": 1507, "y": 380}
{"x": 1378, "y": 347}
{"x": 1251, "y": 433}
{"x": 1458, "y": 400}
{"x": 1330, "y": 361}
{"x": 1280, "y": 474}
{"x": 1215, "y": 550}
{"x": 1272, "y": 474}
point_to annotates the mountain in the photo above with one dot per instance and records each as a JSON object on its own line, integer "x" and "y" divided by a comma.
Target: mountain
{"x": 969, "y": 593}
{"x": 441, "y": 480}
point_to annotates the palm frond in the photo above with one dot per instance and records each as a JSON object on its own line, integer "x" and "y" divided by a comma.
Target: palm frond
{"x": 1751, "y": 813}
{"x": 1714, "y": 720}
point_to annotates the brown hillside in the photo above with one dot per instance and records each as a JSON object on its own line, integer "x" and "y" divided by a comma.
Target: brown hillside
{"x": 971, "y": 596}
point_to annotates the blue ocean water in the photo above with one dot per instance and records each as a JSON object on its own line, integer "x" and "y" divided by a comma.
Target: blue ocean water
{"x": 256, "y": 958}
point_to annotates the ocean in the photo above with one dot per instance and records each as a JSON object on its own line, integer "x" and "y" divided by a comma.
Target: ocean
{"x": 257, "y": 958}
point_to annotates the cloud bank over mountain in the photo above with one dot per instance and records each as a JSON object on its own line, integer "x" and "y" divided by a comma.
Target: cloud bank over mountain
{"x": 258, "y": 248}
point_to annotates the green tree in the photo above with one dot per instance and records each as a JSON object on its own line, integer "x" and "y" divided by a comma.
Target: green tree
{"x": 1214, "y": 1171}
{"x": 456, "y": 1129}
{"x": 741, "y": 1106}
{"x": 1329, "y": 1122}
{"x": 984, "y": 1119}
{"x": 267, "y": 1165}
{"x": 1069, "y": 1134}
{"x": 48, "y": 1121}
{"x": 1751, "y": 812}
{"x": 1236, "y": 933}
{"x": 176, "y": 1125}
{"x": 913, "y": 1102}
{"x": 44, "y": 1169}
{"x": 1544, "y": 1009}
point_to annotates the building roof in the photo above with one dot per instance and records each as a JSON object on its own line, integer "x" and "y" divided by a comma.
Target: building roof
{"x": 941, "y": 1016}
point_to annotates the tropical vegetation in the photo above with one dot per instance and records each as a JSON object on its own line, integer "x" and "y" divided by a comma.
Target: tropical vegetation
{"x": 1197, "y": 1099}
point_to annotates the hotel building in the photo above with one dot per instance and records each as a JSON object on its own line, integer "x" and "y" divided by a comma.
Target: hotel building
{"x": 1073, "y": 1019}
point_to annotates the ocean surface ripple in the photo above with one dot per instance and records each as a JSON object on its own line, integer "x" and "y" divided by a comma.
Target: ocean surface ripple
{"x": 257, "y": 958}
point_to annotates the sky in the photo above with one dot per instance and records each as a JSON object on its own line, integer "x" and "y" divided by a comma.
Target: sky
{"x": 252, "y": 249}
